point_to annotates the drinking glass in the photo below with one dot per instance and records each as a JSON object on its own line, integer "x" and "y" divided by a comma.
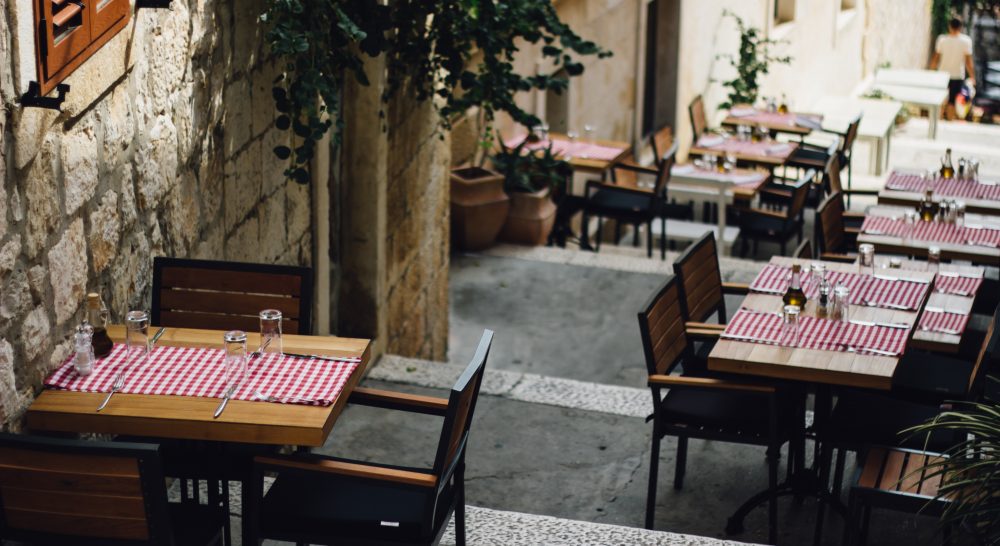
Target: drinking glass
{"x": 236, "y": 357}
{"x": 137, "y": 337}
{"x": 960, "y": 213}
{"x": 791, "y": 325}
{"x": 573, "y": 136}
{"x": 866, "y": 259}
{"x": 270, "y": 331}
{"x": 933, "y": 258}
{"x": 588, "y": 136}
{"x": 841, "y": 303}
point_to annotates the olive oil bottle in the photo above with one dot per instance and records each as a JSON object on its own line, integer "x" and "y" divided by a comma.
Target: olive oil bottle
{"x": 794, "y": 295}
{"x": 947, "y": 167}
{"x": 928, "y": 209}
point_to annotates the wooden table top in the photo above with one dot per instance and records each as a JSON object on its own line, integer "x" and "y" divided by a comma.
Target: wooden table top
{"x": 191, "y": 418}
{"x": 811, "y": 365}
{"x": 891, "y": 244}
{"x": 755, "y": 159}
{"x": 725, "y": 182}
{"x": 596, "y": 165}
{"x": 792, "y": 129}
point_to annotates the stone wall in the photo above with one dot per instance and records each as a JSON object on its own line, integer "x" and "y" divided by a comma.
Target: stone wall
{"x": 163, "y": 148}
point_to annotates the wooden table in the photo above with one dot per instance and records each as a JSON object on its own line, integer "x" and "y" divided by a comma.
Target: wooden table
{"x": 912, "y": 199}
{"x": 831, "y": 368}
{"x": 767, "y": 161}
{"x": 595, "y": 165}
{"x": 912, "y": 77}
{"x": 774, "y": 126}
{"x": 190, "y": 418}
{"x": 922, "y": 97}
{"x": 918, "y": 247}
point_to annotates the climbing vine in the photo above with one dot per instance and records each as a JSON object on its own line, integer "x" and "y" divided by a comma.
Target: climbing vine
{"x": 459, "y": 53}
{"x": 751, "y": 62}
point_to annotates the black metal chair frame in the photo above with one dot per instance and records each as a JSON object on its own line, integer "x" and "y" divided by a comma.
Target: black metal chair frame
{"x": 793, "y": 220}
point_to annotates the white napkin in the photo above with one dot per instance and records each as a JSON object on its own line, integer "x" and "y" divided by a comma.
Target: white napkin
{"x": 742, "y": 112}
{"x": 808, "y": 122}
{"x": 687, "y": 168}
{"x": 745, "y": 178}
{"x": 710, "y": 141}
{"x": 776, "y": 149}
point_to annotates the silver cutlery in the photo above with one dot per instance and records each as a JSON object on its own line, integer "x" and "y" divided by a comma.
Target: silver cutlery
{"x": 943, "y": 310}
{"x": 955, "y": 274}
{"x": 225, "y": 400}
{"x": 870, "y": 350}
{"x": 871, "y": 303}
{"x": 737, "y": 337}
{"x": 897, "y": 325}
{"x": 897, "y": 279}
{"x": 317, "y": 357}
{"x": 955, "y": 292}
{"x": 941, "y": 331}
{"x": 267, "y": 398}
{"x": 118, "y": 384}
{"x": 157, "y": 336}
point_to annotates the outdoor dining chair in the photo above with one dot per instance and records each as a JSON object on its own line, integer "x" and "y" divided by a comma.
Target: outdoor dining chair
{"x": 703, "y": 407}
{"x": 59, "y": 491}
{"x": 804, "y": 251}
{"x": 833, "y": 238}
{"x": 229, "y": 295}
{"x": 782, "y": 221}
{"x": 812, "y": 156}
{"x": 699, "y": 119}
{"x": 636, "y": 207}
{"x": 327, "y": 500}
{"x": 702, "y": 289}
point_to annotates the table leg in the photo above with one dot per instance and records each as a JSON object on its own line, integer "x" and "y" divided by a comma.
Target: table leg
{"x": 932, "y": 126}
{"x": 721, "y": 213}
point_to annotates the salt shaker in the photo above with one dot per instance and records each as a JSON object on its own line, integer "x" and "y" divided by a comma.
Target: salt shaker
{"x": 83, "y": 361}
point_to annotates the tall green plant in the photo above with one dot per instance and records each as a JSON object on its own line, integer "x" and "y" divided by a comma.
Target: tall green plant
{"x": 970, "y": 474}
{"x": 459, "y": 52}
{"x": 752, "y": 61}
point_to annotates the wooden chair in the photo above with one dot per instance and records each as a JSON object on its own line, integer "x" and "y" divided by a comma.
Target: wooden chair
{"x": 779, "y": 224}
{"x": 699, "y": 119}
{"x": 893, "y": 479}
{"x": 229, "y": 295}
{"x": 59, "y": 491}
{"x": 327, "y": 500}
{"x": 635, "y": 207}
{"x": 804, "y": 251}
{"x": 811, "y": 156}
{"x": 701, "y": 407}
{"x": 833, "y": 237}
{"x": 702, "y": 289}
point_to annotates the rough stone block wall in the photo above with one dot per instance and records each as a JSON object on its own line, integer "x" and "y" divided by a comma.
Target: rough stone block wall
{"x": 167, "y": 153}
{"x": 418, "y": 231}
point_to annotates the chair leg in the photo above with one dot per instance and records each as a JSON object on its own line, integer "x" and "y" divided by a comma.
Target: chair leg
{"x": 600, "y": 232}
{"x": 460, "y": 506}
{"x": 663, "y": 238}
{"x": 681, "y": 467}
{"x": 824, "y": 479}
{"x": 866, "y": 518}
{"x": 838, "y": 473}
{"x": 635, "y": 235}
{"x": 654, "y": 466}
{"x": 852, "y": 525}
{"x": 618, "y": 232}
{"x": 773, "y": 458}
{"x": 649, "y": 239}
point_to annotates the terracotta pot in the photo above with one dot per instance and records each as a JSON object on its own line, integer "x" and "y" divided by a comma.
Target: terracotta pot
{"x": 531, "y": 218}
{"x": 478, "y": 207}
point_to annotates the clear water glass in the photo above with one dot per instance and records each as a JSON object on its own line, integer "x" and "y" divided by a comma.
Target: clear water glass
{"x": 841, "y": 303}
{"x": 866, "y": 259}
{"x": 933, "y": 258}
{"x": 270, "y": 331}
{"x": 960, "y": 213}
{"x": 573, "y": 136}
{"x": 236, "y": 357}
{"x": 137, "y": 337}
{"x": 791, "y": 324}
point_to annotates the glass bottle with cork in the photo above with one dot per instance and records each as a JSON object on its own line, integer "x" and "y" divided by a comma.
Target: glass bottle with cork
{"x": 947, "y": 167}
{"x": 928, "y": 208}
{"x": 794, "y": 295}
{"x": 97, "y": 317}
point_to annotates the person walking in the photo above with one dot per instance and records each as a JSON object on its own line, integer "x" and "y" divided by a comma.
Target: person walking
{"x": 953, "y": 54}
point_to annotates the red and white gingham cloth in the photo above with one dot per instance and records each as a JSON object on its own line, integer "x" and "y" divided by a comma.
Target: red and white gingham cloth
{"x": 945, "y": 323}
{"x": 194, "y": 371}
{"x": 963, "y": 286}
{"x": 566, "y": 148}
{"x": 815, "y": 333}
{"x": 864, "y": 289}
{"x": 940, "y": 232}
{"x": 774, "y": 118}
{"x": 778, "y": 150}
{"x": 952, "y": 187}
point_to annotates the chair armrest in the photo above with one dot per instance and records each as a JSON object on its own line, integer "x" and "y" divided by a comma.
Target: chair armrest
{"x": 705, "y": 383}
{"x": 704, "y": 326}
{"x": 854, "y": 215}
{"x": 775, "y": 192}
{"x": 356, "y": 470}
{"x": 735, "y": 288}
{"x": 842, "y": 258}
{"x": 635, "y": 167}
{"x": 398, "y": 401}
{"x": 706, "y": 334}
{"x": 852, "y": 231}
{"x": 591, "y": 184}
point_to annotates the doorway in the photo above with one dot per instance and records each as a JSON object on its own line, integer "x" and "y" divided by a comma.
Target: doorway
{"x": 662, "y": 49}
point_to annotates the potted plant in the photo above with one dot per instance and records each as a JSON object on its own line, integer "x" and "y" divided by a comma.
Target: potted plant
{"x": 479, "y": 207}
{"x": 530, "y": 178}
{"x": 754, "y": 60}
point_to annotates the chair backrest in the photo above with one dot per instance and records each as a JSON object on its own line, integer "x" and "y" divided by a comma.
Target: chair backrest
{"x": 461, "y": 406}
{"x": 661, "y": 141}
{"x": 666, "y": 164}
{"x": 227, "y": 295}
{"x": 699, "y": 119}
{"x": 832, "y": 175}
{"x": 849, "y": 136}
{"x": 58, "y": 491}
{"x": 830, "y": 224}
{"x": 661, "y": 324}
{"x": 800, "y": 193}
{"x": 988, "y": 358}
{"x": 700, "y": 281}
{"x": 804, "y": 251}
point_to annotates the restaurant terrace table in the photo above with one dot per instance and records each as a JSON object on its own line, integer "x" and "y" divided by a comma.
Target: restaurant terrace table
{"x": 878, "y": 119}
{"x": 768, "y": 154}
{"x": 597, "y": 156}
{"x": 929, "y": 98}
{"x": 187, "y": 417}
{"x": 792, "y": 123}
{"x": 886, "y": 228}
{"x": 907, "y": 188}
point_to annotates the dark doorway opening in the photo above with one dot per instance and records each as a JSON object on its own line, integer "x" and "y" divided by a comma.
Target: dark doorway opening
{"x": 662, "y": 45}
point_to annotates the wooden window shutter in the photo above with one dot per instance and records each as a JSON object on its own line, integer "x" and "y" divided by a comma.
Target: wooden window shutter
{"x": 64, "y": 33}
{"x": 105, "y": 14}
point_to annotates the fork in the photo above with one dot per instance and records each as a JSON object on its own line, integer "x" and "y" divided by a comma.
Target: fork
{"x": 118, "y": 385}
{"x": 268, "y": 398}
{"x": 260, "y": 350}
{"x": 868, "y": 350}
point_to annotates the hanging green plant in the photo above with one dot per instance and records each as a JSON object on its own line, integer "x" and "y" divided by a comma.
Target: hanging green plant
{"x": 753, "y": 61}
{"x": 459, "y": 51}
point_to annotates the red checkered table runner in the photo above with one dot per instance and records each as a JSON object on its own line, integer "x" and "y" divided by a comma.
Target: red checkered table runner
{"x": 790, "y": 119}
{"x": 940, "y": 232}
{"x": 952, "y": 187}
{"x": 864, "y": 289}
{"x": 779, "y": 150}
{"x": 957, "y": 284}
{"x": 567, "y": 148}
{"x": 193, "y": 371}
{"x": 944, "y": 323}
{"x": 814, "y": 333}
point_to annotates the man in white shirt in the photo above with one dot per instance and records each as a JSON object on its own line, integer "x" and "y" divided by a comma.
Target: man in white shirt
{"x": 953, "y": 54}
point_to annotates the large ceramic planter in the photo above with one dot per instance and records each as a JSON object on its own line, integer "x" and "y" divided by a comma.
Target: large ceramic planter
{"x": 478, "y": 207}
{"x": 530, "y": 219}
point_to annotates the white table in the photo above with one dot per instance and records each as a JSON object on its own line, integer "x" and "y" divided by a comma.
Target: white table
{"x": 878, "y": 119}
{"x": 935, "y": 79}
{"x": 922, "y": 97}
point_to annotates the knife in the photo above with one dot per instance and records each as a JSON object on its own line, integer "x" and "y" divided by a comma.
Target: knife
{"x": 943, "y": 310}
{"x": 896, "y": 279}
{"x": 317, "y": 357}
{"x": 225, "y": 400}
{"x": 898, "y": 325}
{"x": 156, "y": 336}
{"x": 956, "y": 275}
